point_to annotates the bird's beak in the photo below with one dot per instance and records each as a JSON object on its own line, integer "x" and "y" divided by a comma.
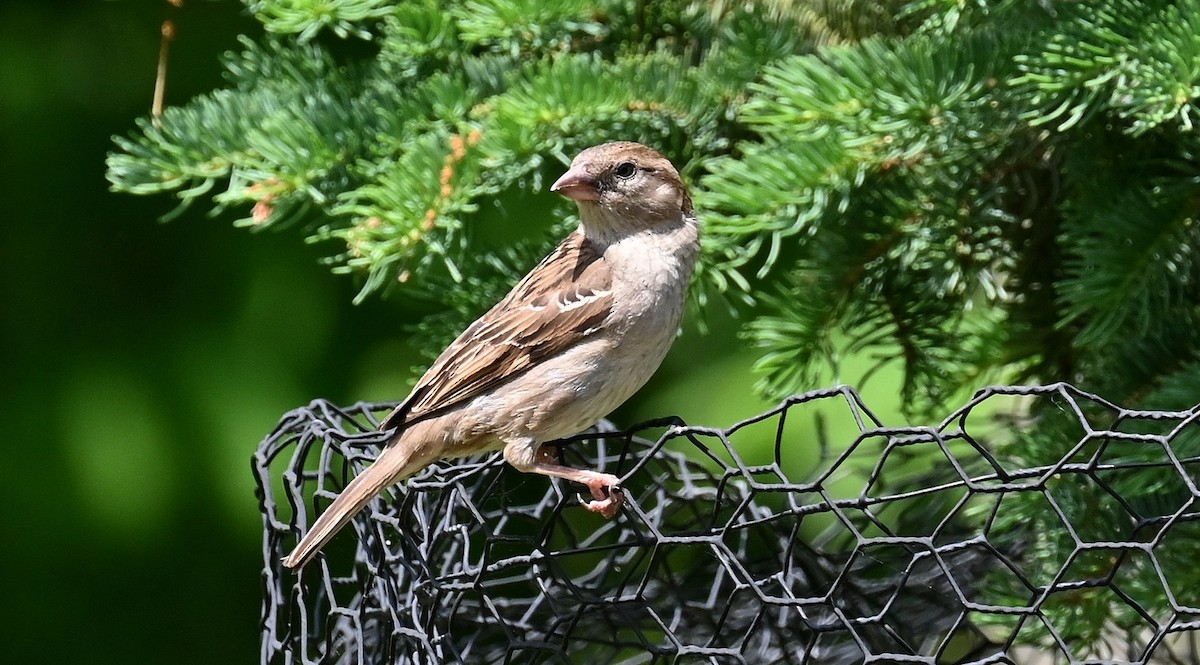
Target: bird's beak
{"x": 577, "y": 184}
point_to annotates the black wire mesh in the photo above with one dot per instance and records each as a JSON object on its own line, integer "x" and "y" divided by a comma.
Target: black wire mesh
{"x": 1033, "y": 525}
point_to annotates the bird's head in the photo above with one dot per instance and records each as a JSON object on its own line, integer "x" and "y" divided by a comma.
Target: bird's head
{"x": 623, "y": 186}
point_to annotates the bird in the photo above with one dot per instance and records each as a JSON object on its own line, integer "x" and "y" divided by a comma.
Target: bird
{"x": 574, "y": 339}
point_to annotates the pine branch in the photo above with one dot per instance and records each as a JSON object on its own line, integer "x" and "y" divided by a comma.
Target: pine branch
{"x": 1131, "y": 262}
{"x": 307, "y": 18}
{"x": 1134, "y": 60}
{"x": 513, "y": 27}
{"x": 279, "y": 146}
{"x": 891, "y": 180}
{"x": 394, "y": 188}
{"x": 922, "y": 244}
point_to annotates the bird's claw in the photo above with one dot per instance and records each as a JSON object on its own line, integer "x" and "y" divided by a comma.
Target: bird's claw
{"x": 607, "y": 500}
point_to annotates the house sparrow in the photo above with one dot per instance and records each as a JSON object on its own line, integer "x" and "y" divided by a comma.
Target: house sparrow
{"x": 574, "y": 339}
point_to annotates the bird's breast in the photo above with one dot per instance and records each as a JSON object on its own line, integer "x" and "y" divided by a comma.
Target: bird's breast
{"x": 650, "y": 277}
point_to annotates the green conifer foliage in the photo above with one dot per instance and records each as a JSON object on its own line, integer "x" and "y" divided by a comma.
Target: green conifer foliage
{"x": 991, "y": 190}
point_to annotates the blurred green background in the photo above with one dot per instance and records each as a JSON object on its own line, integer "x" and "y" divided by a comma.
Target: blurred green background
{"x": 142, "y": 362}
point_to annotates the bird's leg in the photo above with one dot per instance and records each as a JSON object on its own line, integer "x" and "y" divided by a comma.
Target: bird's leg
{"x": 604, "y": 486}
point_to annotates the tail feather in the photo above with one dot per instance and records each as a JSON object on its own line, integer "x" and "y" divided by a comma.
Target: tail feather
{"x": 392, "y": 466}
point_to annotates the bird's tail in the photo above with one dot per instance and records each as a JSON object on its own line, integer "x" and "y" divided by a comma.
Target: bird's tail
{"x": 394, "y": 464}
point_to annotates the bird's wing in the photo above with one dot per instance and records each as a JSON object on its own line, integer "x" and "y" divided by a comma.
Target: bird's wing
{"x": 557, "y": 305}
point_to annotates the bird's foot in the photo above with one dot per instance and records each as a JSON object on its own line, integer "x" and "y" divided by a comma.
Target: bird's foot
{"x": 606, "y": 492}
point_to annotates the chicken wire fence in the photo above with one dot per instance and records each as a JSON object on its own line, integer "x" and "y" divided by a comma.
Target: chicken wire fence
{"x": 1036, "y": 524}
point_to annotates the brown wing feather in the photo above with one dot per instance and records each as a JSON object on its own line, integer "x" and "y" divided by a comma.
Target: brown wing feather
{"x": 570, "y": 295}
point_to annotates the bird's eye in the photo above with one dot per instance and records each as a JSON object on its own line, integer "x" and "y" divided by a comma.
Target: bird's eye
{"x": 625, "y": 170}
